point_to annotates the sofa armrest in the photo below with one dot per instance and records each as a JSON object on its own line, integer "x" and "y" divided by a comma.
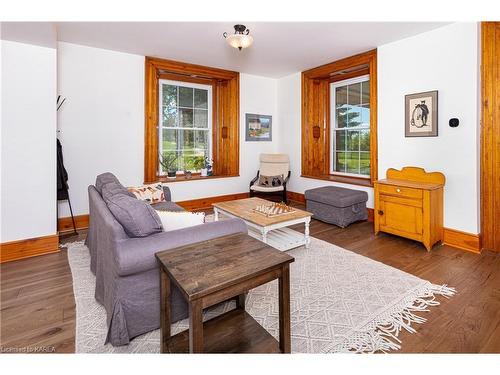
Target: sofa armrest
{"x": 167, "y": 193}
{"x": 136, "y": 255}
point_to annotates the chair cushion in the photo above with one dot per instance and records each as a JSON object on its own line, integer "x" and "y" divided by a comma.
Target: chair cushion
{"x": 271, "y": 181}
{"x": 336, "y": 196}
{"x": 266, "y": 189}
{"x": 137, "y": 217}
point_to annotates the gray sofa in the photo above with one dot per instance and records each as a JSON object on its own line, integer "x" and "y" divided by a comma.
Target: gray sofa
{"x": 127, "y": 273}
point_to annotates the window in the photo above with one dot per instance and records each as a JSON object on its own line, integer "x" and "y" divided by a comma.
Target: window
{"x": 350, "y": 125}
{"x": 186, "y": 125}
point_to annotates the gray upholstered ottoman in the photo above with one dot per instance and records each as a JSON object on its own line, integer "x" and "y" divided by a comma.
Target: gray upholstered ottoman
{"x": 336, "y": 205}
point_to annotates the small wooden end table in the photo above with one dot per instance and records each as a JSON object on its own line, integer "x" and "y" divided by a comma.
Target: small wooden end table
{"x": 271, "y": 230}
{"x": 214, "y": 271}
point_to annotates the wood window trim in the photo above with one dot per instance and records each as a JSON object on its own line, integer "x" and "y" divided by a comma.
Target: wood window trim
{"x": 225, "y": 112}
{"x": 315, "y": 88}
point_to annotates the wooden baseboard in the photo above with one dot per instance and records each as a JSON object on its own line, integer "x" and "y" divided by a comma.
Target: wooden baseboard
{"x": 462, "y": 240}
{"x": 65, "y": 224}
{"x": 31, "y": 247}
{"x": 205, "y": 203}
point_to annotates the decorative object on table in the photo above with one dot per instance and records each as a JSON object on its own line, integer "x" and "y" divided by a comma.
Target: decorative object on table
{"x": 152, "y": 193}
{"x": 208, "y": 166}
{"x": 421, "y": 114}
{"x": 409, "y": 203}
{"x": 168, "y": 162}
{"x": 337, "y": 205}
{"x": 172, "y": 220}
{"x": 188, "y": 174}
{"x": 240, "y": 39}
{"x": 271, "y": 167}
{"x": 274, "y": 209}
{"x": 258, "y": 128}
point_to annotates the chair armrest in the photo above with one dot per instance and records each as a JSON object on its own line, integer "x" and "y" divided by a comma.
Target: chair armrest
{"x": 255, "y": 179}
{"x": 167, "y": 193}
{"x": 135, "y": 255}
{"x": 287, "y": 178}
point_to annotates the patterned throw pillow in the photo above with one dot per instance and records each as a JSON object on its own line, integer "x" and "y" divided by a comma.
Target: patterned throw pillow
{"x": 271, "y": 181}
{"x": 149, "y": 193}
{"x": 172, "y": 220}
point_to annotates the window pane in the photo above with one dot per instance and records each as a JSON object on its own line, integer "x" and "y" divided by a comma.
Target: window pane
{"x": 169, "y": 96}
{"x": 201, "y": 139}
{"x": 341, "y": 117}
{"x": 187, "y": 140}
{"x": 364, "y": 163}
{"x": 340, "y": 96}
{"x": 340, "y": 163}
{"x": 352, "y": 162}
{"x": 169, "y": 139}
{"x": 353, "y": 140}
{"x": 340, "y": 140}
{"x": 186, "y": 97}
{"x": 365, "y": 92}
{"x": 186, "y": 117}
{"x": 365, "y": 114}
{"x": 200, "y": 98}
{"x": 364, "y": 140}
{"x": 170, "y": 116}
{"x": 200, "y": 118}
{"x": 354, "y": 94}
{"x": 353, "y": 116}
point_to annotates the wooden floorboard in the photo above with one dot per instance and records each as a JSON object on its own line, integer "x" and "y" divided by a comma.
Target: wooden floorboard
{"x": 38, "y": 306}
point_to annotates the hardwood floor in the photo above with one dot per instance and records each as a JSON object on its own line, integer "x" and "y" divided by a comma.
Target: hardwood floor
{"x": 38, "y": 307}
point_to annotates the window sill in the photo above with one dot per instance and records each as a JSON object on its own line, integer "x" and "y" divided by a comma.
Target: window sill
{"x": 343, "y": 179}
{"x": 194, "y": 177}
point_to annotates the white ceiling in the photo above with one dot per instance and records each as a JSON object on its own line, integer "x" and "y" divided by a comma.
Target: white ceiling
{"x": 279, "y": 49}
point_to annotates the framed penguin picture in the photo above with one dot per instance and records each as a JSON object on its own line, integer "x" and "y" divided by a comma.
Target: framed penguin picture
{"x": 421, "y": 114}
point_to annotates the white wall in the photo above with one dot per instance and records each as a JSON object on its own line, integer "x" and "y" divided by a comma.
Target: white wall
{"x": 449, "y": 64}
{"x": 102, "y": 124}
{"x": 102, "y": 121}
{"x": 28, "y": 139}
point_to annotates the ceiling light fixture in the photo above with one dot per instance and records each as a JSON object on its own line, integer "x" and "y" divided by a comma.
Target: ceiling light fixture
{"x": 240, "y": 39}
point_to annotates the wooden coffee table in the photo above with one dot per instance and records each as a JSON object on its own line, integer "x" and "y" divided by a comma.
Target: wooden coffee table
{"x": 214, "y": 271}
{"x": 270, "y": 230}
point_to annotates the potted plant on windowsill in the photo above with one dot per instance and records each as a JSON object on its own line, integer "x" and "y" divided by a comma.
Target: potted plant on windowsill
{"x": 168, "y": 162}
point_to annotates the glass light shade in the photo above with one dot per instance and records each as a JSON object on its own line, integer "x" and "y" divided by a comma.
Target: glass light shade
{"x": 239, "y": 40}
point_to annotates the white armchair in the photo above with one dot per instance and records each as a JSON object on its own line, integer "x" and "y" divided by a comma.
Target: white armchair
{"x": 272, "y": 165}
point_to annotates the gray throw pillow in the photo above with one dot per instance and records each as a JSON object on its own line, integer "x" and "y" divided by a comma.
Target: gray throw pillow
{"x": 137, "y": 218}
{"x": 113, "y": 188}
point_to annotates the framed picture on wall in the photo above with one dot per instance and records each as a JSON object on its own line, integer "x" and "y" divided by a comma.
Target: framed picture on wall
{"x": 258, "y": 127}
{"x": 421, "y": 114}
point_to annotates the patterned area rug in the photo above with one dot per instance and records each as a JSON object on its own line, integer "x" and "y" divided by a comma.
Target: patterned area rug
{"x": 340, "y": 302}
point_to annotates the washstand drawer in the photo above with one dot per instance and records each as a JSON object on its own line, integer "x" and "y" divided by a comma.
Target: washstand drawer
{"x": 400, "y": 191}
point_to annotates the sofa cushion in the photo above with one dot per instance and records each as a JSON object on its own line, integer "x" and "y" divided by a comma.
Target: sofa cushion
{"x": 113, "y": 188}
{"x": 103, "y": 179}
{"x": 152, "y": 193}
{"x": 167, "y": 206}
{"x": 137, "y": 217}
{"x": 172, "y": 220}
{"x": 336, "y": 196}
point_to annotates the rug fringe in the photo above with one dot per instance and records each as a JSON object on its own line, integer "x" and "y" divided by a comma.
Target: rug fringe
{"x": 383, "y": 335}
